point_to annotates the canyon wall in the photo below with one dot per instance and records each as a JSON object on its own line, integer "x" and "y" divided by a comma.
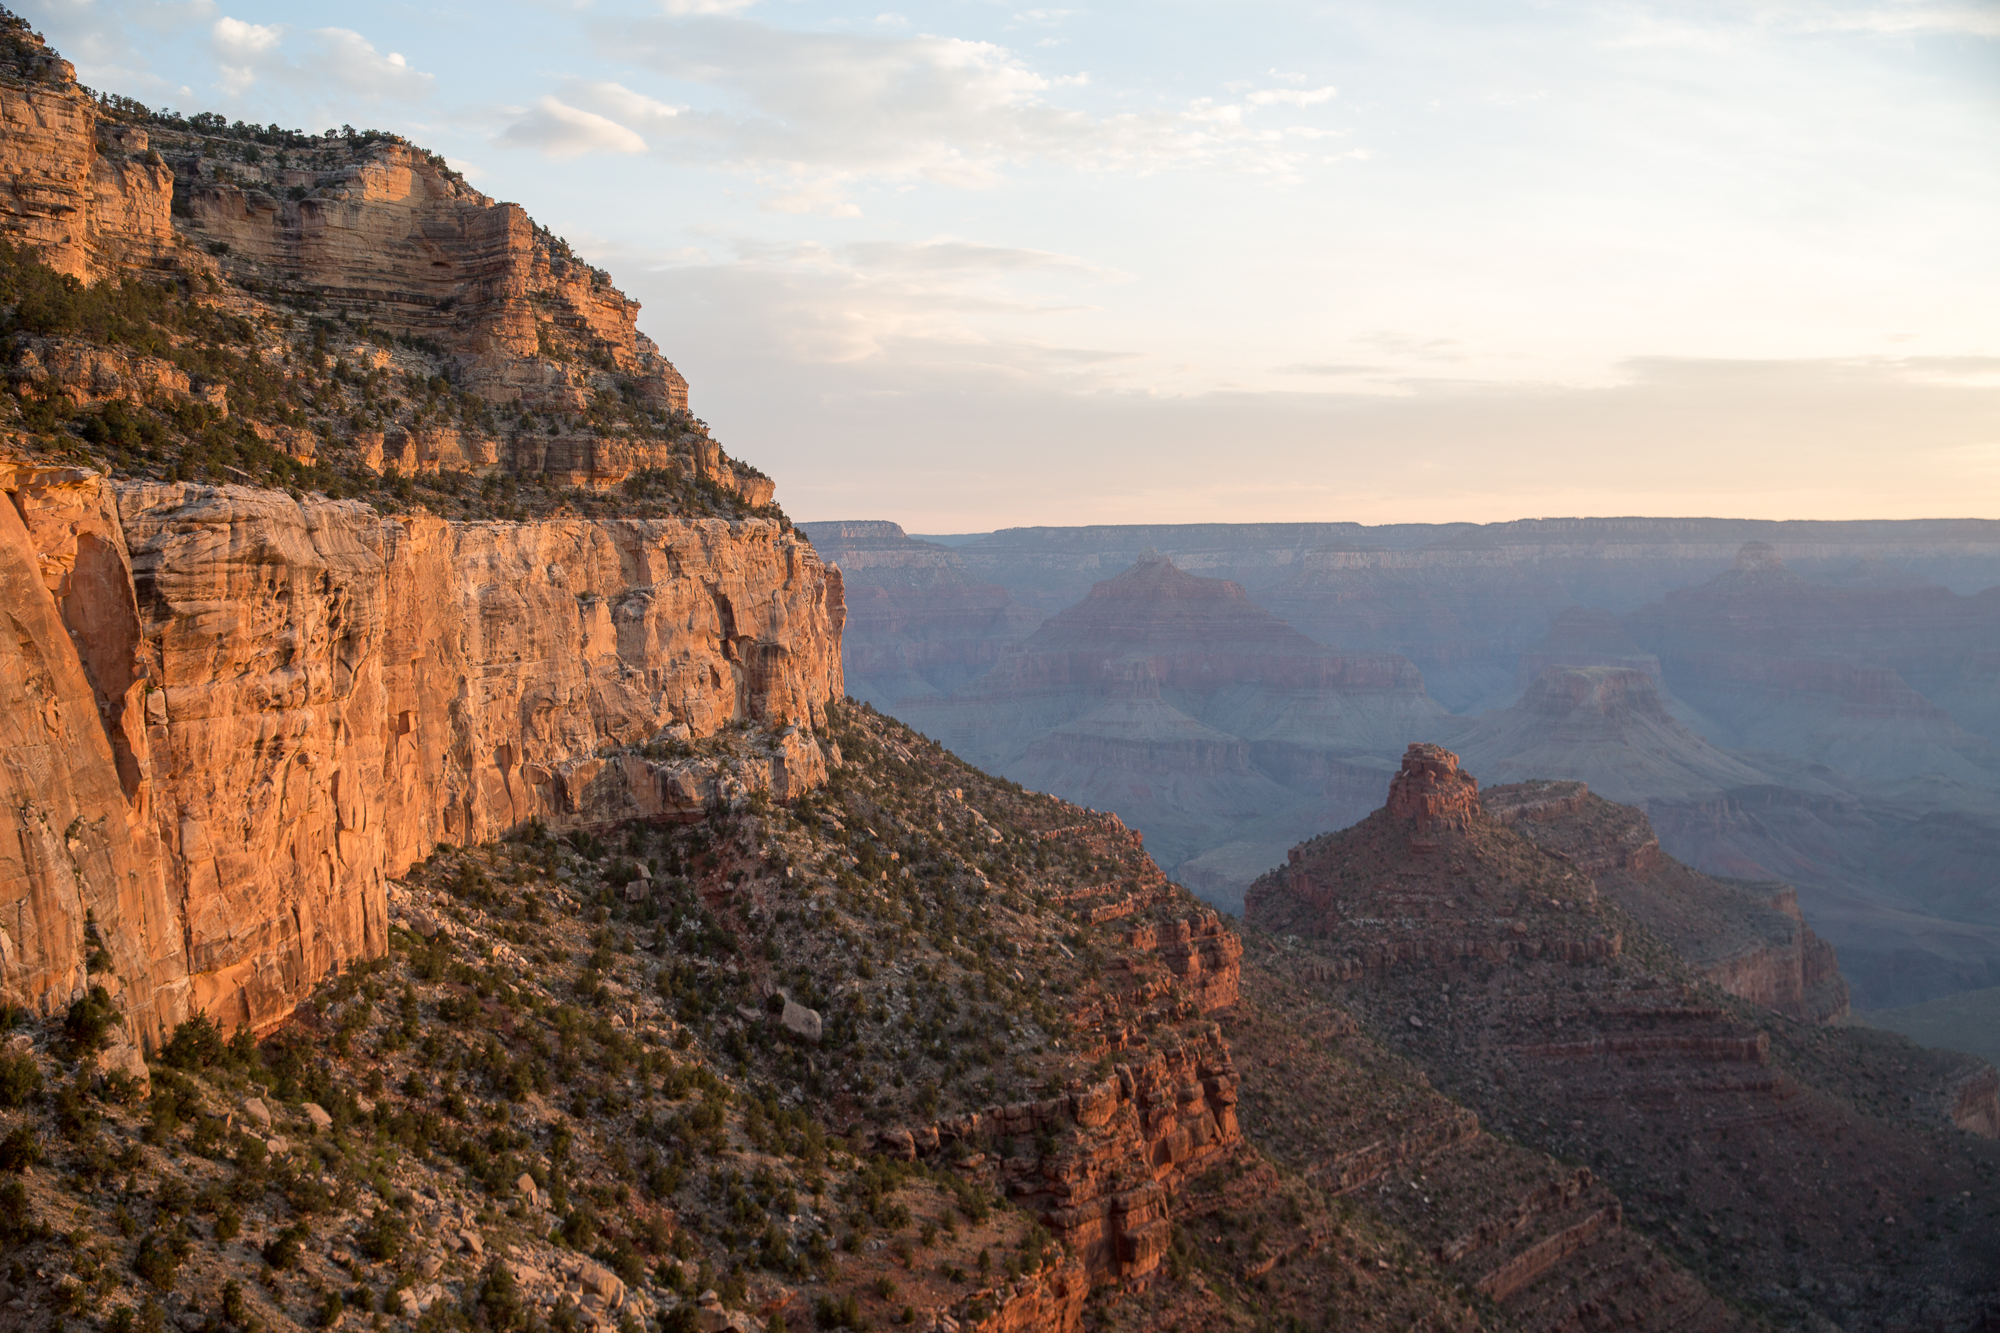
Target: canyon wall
{"x": 917, "y": 623}
{"x": 1185, "y": 707}
{"x": 248, "y": 710}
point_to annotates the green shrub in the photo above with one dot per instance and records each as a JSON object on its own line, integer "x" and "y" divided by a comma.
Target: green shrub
{"x": 284, "y": 1250}
{"x": 87, "y": 1024}
{"x": 20, "y": 1079}
{"x": 159, "y": 1259}
{"x": 196, "y": 1044}
{"x": 382, "y": 1239}
{"x": 21, "y": 1149}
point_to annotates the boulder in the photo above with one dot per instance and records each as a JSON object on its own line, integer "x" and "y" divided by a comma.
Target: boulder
{"x": 601, "y": 1282}
{"x": 125, "y": 1059}
{"x": 317, "y": 1114}
{"x": 256, "y": 1112}
{"x": 801, "y": 1020}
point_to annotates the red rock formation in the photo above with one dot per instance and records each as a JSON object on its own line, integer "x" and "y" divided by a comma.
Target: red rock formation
{"x": 917, "y": 623}
{"x": 91, "y": 205}
{"x": 1184, "y": 706}
{"x": 1431, "y": 792}
{"x": 1749, "y": 939}
{"x": 290, "y": 700}
{"x": 1698, "y": 1105}
{"x": 1831, "y": 672}
{"x": 370, "y": 230}
{"x": 1584, "y": 636}
{"x": 1607, "y": 726}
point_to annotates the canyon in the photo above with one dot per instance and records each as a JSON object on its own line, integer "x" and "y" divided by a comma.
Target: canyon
{"x": 1795, "y": 702}
{"x": 235, "y": 712}
{"x": 1180, "y": 704}
{"x": 446, "y": 881}
{"x": 1523, "y": 957}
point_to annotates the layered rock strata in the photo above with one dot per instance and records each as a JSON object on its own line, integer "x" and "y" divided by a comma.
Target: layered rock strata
{"x": 917, "y": 623}
{"x": 1749, "y": 939}
{"x": 1516, "y": 976}
{"x": 409, "y": 280}
{"x": 1179, "y": 703}
{"x": 263, "y": 706}
{"x": 91, "y": 205}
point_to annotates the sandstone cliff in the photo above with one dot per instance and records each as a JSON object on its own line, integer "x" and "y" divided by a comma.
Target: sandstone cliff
{"x": 1748, "y": 939}
{"x": 345, "y": 305}
{"x": 238, "y": 709}
{"x": 268, "y": 705}
{"x": 1608, "y": 726}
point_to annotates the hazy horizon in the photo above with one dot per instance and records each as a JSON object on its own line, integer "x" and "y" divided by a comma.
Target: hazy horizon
{"x": 973, "y": 267}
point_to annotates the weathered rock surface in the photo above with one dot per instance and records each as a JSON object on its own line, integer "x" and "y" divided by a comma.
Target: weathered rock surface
{"x": 1525, "y": 981}
{"x": 1608, "y": 726}
{"x": 1831, "y": 672}
{"x": 92, "y": 206}
{"x": 1748, "y": 938}
{"x": 247, "y": 710}
{"x": 367, "y": 230}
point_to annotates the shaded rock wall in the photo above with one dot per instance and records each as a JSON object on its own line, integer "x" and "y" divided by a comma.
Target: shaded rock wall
{"x": 264, "y": 706}
{"x": 1748, "y": 938}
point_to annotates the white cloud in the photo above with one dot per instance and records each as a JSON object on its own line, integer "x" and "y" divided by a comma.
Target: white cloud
{"x": 246, "y": 41}
{"x": 1728, "y": 28}
{"x": 836, "y": 108}
{"x": 348, "y": 58}
{"x": 339, "y": 57}
{"x": 1290, "y": 97}
{"x": 683, "y": 8}
{"x": 818, "y": 197}
{"x": 244, "y": 50}
{"x": 556, "y": 129}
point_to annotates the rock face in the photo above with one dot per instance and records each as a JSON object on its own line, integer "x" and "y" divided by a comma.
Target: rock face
{"x": 389, "y": 230}
{"x": 917, "y": 623}
{"x": 1516, "y": 964}
{"x": 1584, "y": 636}
{"x": 1179, "y": 703}
{"x": 91, "y": 206}
{"x": 1748, "y": 939}
{"x": 1432, "y": 792}
{"x": 247, "y": 710}
{"x": 1831, "y": 672}
{"x": 382, "y": 242}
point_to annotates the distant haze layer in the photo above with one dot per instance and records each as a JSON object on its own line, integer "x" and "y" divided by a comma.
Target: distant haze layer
{"x": 1809, "y": 702}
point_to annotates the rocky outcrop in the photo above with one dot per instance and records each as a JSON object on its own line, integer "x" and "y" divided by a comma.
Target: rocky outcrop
{"x": 288, "y": 701}
{"x": 1584, "y": 636}
{"x": 1125, "y": 1146}
{"x": 388, "y": 232}
{"x": 1607, "y": 726}
{"x": 1702, "y": 1107}
{"x": 409, "y": 275}
{"x": 1432, "y": 792}
{"x": 1834, "y": 673}
{"x": 91, "y": 199}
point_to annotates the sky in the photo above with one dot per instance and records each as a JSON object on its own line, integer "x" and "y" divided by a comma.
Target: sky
{"x": 966, "y": 265}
